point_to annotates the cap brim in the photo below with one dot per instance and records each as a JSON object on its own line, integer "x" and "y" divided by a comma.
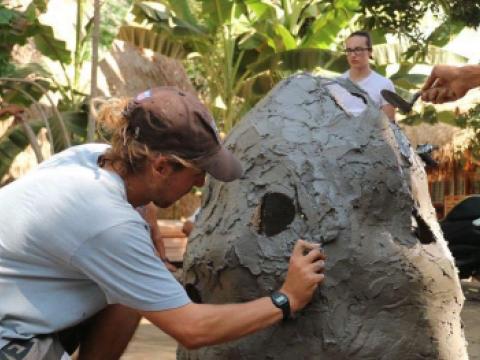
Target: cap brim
{"x": 223, "y": 165}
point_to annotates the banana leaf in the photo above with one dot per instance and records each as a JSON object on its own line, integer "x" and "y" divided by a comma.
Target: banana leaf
{"x": 49, "y": 46}
{"x": 12, "y": 143}
{"x": 301, "y": 59}
{"x": 76, "y": 124}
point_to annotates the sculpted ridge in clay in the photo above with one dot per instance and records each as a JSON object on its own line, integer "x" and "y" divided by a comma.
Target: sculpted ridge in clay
{"x": 352, "y": 183}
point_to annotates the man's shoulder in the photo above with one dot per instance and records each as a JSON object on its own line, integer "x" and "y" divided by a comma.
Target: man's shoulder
{"x": 86, "y": 154}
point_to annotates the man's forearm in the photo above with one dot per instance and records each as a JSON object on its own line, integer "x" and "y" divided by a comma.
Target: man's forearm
{"x": 471, "y": 73}
{"x": 229, "y": 322}
{"x": 197, "y": 325}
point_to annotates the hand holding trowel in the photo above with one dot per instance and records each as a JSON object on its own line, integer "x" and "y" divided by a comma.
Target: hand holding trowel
{"x": 398, "y": 102}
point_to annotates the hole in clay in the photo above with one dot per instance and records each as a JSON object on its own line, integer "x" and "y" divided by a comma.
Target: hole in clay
{"x": 421, "y": 229}
{"x": 193, "y": 294}
{"x": 276, "y": 213}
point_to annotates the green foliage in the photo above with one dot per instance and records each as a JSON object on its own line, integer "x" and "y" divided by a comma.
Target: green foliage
{"x": 48, "y": 45}
{"x": 12, "y": 143}
{"x": 404, "y": 18}
{"x": 396, "y": 16}
{"x": 243, "y": 48}
{"x": 113, "y": 13}
{"x": 471, "y": 120}
{"x": 431, "y": 116}
{"x": 76, "y": 123}
{"x": 16, "y": 28}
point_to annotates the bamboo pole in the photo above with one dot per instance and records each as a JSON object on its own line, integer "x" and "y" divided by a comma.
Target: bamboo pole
{"x": 93, "y": 79}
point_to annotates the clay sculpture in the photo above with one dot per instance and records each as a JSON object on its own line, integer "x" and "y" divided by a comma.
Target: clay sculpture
{"x": 351, "y": 182}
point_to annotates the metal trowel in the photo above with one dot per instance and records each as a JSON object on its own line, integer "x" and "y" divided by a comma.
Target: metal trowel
{"x": 398, "y": 102}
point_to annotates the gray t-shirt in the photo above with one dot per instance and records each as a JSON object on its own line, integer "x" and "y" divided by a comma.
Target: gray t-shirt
{"x": 70, "y": 244}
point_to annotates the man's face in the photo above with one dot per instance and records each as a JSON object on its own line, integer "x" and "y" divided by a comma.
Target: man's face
{"x": 170, "y": 184}
{"x": 357, "y": 52}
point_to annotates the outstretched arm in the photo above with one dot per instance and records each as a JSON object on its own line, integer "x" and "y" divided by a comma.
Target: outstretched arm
{"x": 150, "y": 216}
{"x": 197, "y": 325}
{"x": 449, "y": 83}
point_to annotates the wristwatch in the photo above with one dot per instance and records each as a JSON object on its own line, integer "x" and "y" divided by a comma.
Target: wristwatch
{"x": 281, "y": 301}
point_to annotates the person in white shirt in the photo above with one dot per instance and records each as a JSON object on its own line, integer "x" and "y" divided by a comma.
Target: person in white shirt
{"x": 358, "y": 48}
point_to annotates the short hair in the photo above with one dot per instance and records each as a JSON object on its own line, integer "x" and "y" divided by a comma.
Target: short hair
{"x": 364, "y": 34}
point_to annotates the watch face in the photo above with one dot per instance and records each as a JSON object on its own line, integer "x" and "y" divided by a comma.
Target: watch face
{"x": 280, "y": 299}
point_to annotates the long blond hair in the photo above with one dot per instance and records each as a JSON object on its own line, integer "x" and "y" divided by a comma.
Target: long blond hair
{"x": 126, "y": 154}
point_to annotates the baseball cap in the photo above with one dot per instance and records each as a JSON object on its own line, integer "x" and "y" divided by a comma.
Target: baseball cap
{"x": 175, "y": 122}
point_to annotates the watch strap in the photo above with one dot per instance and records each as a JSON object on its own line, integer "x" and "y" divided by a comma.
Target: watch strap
{"x": 281, "y": 301}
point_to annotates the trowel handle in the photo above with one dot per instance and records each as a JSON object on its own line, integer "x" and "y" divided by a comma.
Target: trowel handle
{"x": 415, "y": 97}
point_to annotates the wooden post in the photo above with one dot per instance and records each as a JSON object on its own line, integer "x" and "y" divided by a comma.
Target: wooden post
{"x": 93, "y": 86}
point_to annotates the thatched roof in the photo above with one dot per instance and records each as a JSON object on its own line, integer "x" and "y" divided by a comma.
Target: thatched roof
{"x": 453, "y": 142}
{"x": 439, "y": 134}
{"x": 129, "y": 71}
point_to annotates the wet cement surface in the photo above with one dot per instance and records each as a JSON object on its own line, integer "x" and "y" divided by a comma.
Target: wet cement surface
{"x": 152, "y": 344}
{"x": 471, "y": 318}
{"x": 352, "y": 184}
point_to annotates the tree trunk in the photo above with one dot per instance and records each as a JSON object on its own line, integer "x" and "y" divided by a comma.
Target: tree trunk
{"x": 353, "y": 184}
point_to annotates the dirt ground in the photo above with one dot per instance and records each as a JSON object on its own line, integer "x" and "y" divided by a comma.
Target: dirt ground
{"x": 471, "y": 318}
{"x": 151, "y": 344}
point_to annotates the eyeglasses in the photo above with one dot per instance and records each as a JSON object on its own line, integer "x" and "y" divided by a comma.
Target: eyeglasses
{"x": 356, "y": 51}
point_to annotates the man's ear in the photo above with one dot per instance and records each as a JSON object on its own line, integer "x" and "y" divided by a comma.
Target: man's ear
{"x": 161, "y": 165}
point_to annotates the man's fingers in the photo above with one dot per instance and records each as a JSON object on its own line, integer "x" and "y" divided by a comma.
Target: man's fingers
{"x": 170, "y": 266}
{"x": 427, "y": 95}
{"x": 314, "y": 255}
{"x": 442, "y": 96}
{"x": 302, "y": 246}
{"x": 318, "y": 266}
{"x": 318, "y": 278}
{"x": 439, "y": 95}
{"x": 430, "y": 80}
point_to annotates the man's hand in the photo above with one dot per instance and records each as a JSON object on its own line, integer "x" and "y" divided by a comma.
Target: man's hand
{"x": 187, "y": 227}
{"x": 149, "y": 213}
{"x": 450, "y": 83}
{"x": 305, "y": 273}
{"x": 160, "y": 247}
{"x": 12, "y": 109}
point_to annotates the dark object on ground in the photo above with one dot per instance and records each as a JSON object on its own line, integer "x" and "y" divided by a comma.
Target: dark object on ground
{"x": 425, "y": 153}
{"x": 397, "y": 101}
{"x": 461, "y": 228}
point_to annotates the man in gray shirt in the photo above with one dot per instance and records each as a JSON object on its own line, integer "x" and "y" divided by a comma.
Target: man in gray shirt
{"x": 77, "y": 265}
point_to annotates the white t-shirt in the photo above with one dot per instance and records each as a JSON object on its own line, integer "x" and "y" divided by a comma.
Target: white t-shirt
{"x": 373, "y": 84}
{"x": 70, "y": 243}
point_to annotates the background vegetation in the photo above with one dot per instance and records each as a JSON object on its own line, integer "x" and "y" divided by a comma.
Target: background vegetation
{"x": 235, "y": 51}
